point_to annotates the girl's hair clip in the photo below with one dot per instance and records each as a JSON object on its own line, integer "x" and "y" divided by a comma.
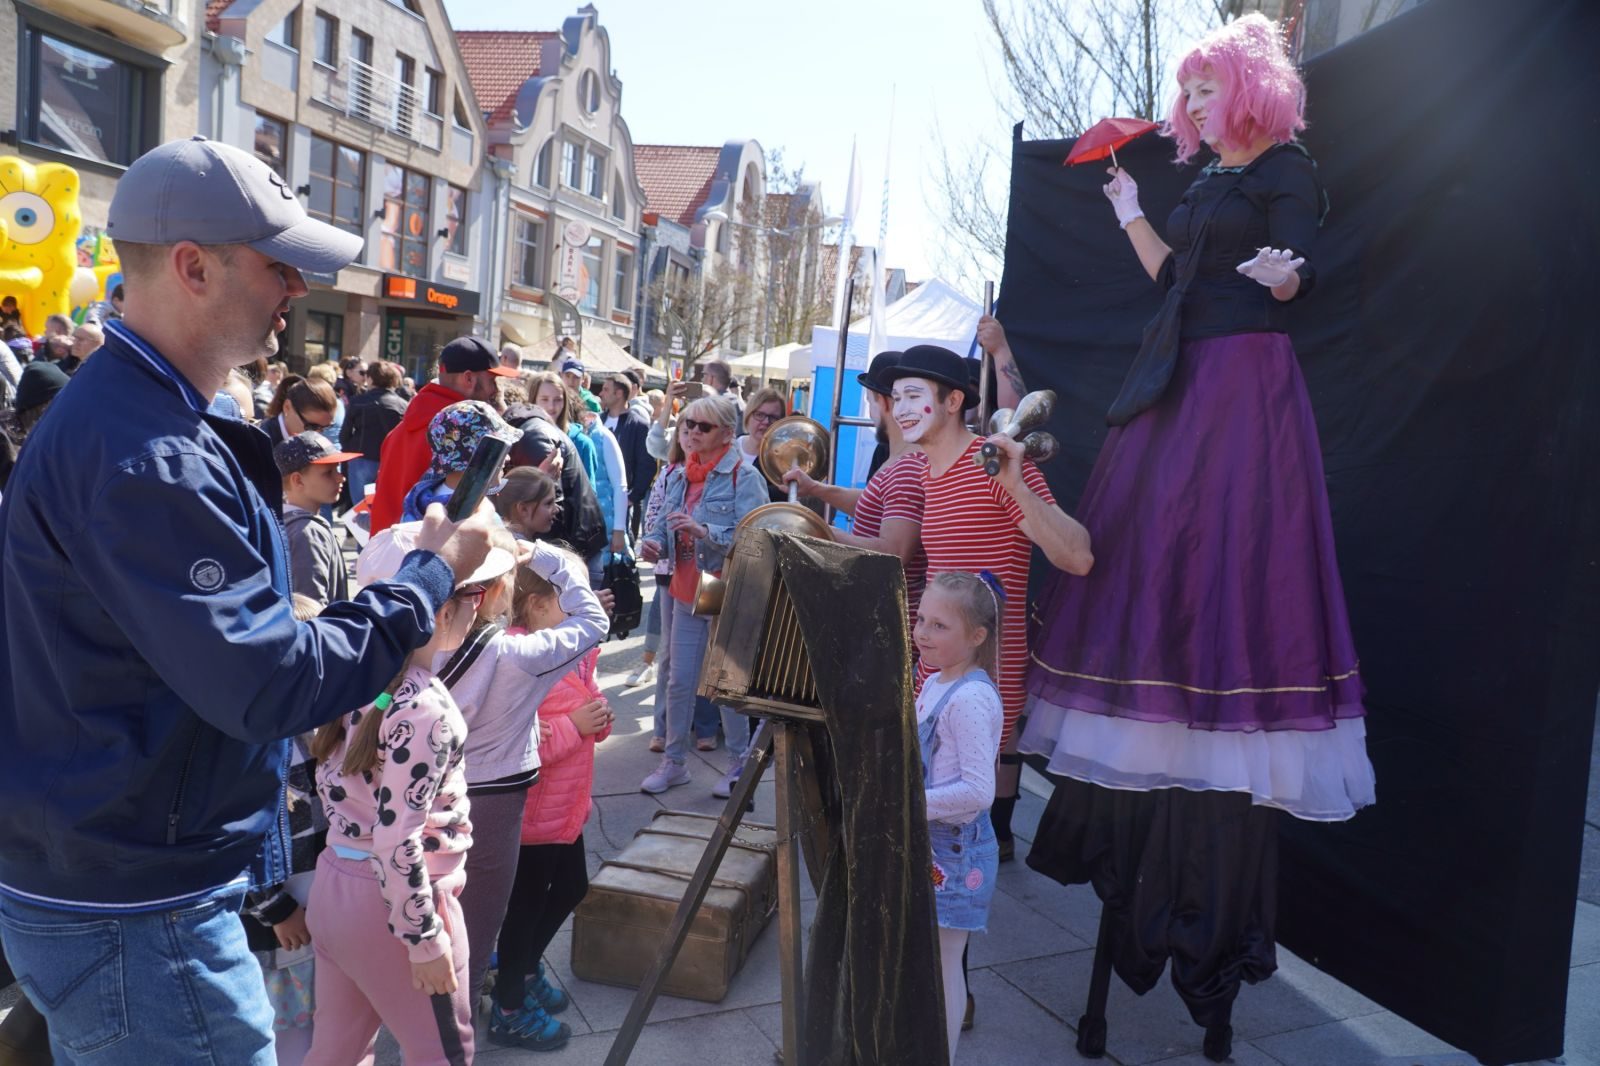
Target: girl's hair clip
{"x": 994, "y": 584}
{"x": 382, "y": 703}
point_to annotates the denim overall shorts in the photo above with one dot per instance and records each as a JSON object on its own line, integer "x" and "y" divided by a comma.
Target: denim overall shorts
{"x": 966, "y": 858}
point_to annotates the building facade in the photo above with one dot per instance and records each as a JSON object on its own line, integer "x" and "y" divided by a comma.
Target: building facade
{"x": 365, "y": 108}
{"x": 568, "y": 196}
{"x": 706, "y": 250}
{"x": 94, "y": 84}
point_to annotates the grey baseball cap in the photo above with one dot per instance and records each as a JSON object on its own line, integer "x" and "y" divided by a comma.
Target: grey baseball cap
{"x": 213, "y": 193}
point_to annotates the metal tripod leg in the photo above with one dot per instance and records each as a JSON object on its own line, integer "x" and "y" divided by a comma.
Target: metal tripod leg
{"x": 756, "y": 762}
{"x": 1092, "y": 1026}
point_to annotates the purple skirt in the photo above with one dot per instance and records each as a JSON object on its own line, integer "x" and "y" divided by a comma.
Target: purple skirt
{"x": 1214, "y": 604}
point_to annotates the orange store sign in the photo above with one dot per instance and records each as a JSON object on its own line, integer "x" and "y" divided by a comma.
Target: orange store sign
{"x": 443, "y": 297}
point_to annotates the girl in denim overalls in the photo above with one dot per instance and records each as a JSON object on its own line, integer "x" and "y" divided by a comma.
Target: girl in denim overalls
{"x": 959, "y": 718}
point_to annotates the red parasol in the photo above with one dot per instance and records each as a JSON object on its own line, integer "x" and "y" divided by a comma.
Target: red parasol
{"x": 1104, "y": 138}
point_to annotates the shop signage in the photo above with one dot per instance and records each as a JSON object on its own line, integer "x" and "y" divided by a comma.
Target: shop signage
{"x": 574, "y": 238}
{"x": 430, "y": 295}
{"x": 394, "y": 336}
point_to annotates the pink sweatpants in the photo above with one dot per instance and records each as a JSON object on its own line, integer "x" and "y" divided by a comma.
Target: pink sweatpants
{"x": 363, "y": 976}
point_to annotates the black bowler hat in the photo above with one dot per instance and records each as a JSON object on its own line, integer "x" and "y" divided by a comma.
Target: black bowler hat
{"x": 873, "y": 380}
{"x": 936, "y": 364}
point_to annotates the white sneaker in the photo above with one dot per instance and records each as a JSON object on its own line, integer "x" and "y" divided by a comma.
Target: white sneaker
{"x": 724, "y": 786}
{"x": 643, "y": 674}
{"x": 668, "y": 775}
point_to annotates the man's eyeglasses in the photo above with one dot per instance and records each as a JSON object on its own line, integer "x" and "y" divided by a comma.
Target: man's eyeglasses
{"x": 698, "y": 426}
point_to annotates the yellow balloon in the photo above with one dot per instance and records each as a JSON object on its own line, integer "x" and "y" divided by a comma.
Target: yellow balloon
{"x": 39, "y": 226}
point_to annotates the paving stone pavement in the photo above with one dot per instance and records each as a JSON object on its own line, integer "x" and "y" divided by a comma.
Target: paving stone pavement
{"x": 1030, "y": 972}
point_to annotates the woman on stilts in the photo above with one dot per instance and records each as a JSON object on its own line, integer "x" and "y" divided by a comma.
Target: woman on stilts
{"x": 1204, "y": 672}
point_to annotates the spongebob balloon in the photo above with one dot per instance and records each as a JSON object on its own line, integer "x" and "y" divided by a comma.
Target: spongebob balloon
{"x": 39, "y": 225}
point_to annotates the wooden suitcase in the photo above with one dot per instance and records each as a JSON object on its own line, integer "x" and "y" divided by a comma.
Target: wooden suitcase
{"x": 618, "y": 928}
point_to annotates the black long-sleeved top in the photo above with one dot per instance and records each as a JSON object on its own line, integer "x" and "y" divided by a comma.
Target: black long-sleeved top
{"x": 369, "y": 418}
{"x": 1276, "y": 202}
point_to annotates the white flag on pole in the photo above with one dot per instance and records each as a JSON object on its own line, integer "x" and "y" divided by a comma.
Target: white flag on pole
{"x": 841, "y": 274}
{"x": 877, "y": 277}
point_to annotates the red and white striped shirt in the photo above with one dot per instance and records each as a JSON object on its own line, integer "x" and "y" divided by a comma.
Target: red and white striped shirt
{"x": 970, "y": 523}
{"x": 895, "y": 491}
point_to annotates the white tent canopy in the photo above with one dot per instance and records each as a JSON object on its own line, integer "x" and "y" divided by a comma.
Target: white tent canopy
{"x": 597, "y": 351}
{"x": 778, "y": 361}
{"x": 932, "y": 313}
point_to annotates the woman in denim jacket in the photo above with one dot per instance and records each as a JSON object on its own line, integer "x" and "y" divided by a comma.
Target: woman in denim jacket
{"x": 706, "y": 499}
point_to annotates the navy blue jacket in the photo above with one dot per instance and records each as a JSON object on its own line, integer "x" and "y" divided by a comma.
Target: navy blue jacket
{"x": 150, "y": 664}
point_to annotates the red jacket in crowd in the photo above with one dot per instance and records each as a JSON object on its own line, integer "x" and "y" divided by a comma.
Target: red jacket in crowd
{"x": 406, "y": 454}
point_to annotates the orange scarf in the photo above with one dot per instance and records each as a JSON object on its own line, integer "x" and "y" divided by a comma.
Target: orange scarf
{"x": 695, "y": 468}
{"x": 686, "y": 575}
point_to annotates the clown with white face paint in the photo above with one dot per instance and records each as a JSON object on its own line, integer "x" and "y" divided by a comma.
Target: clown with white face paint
{"x": 914, "y": 400}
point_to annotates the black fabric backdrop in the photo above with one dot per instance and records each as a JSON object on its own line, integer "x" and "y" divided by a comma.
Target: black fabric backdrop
{"x": 1455, "y": 378}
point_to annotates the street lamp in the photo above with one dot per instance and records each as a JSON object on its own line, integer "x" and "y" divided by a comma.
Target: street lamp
{"x": 720, "y": 216}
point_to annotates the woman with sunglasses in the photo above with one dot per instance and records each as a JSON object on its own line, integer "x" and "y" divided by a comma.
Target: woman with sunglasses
{"x": 299, "y": 405}
{"x": 705, "y": 500}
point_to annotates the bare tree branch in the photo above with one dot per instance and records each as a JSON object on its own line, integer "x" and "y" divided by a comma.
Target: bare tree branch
{"x": 1063, "y": 65}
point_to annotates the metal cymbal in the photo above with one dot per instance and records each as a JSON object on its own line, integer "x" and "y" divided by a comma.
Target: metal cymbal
{"x": 791, "y": 442}
{"x": 788, "y": 518}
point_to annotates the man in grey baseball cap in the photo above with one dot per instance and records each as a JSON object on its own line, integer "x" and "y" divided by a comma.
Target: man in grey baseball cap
{"x": 150, "y": 660}
{"x": 213, "y": 193}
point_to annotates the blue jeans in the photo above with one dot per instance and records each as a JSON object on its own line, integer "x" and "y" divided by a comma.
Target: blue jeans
{"x": 735, "y": 733}
{"x": 175, "y": 986}
{"x": 687, "y": 642}
{"x": 361, "y": 472}
{"x": 704, "y": 722}
{"x": 652, "y": 621}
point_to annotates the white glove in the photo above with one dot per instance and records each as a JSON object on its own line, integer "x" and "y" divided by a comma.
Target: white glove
{"x": 1271, "y": 267}
{"x": 1123, "y": 192}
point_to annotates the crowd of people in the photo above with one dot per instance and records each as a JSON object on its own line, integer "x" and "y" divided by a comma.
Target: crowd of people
{"x": 432, "y": 716}
{"x": 436, "y": 774}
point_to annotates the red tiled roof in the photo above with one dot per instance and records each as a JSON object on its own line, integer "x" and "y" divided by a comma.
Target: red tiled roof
{"x": 676, "y": 178}
{"x": 214, "y": 10}
{"x": 498, "y": 62}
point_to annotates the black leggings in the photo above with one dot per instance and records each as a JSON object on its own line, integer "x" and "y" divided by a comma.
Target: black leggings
{"x": 551, "y": 882}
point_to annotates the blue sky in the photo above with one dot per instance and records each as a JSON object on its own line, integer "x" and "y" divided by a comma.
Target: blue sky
{"x": 805, "y": 78}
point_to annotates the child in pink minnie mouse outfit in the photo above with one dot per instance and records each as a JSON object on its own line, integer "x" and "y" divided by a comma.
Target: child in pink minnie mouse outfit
{"x": 384, "y": 917}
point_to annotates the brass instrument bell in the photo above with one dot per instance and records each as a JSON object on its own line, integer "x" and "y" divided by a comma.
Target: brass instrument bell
{"x": 708, "y": 595}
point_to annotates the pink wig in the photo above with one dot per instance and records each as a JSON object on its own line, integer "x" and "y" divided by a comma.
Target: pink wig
{"x": 1260, "y": 92}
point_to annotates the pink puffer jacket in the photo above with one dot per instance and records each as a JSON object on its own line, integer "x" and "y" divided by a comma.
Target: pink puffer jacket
{"x": 558, "y": 803}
